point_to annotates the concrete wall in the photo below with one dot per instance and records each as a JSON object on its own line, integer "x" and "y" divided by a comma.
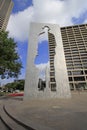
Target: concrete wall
{"x": 32, "y": 73}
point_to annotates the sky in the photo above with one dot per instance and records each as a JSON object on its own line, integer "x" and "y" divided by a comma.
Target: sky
{"x": 62, "y": 12}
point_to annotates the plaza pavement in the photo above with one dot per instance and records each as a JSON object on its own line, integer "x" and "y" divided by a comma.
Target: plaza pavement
{"x": 54, "y": 114}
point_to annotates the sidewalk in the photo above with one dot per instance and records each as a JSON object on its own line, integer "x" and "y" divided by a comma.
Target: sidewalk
{"x": 54, "y": 114}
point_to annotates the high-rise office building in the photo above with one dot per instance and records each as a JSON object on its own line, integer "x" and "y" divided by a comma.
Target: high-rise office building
{"x": 75, "y": 49}
{"x": 5, "y": 10}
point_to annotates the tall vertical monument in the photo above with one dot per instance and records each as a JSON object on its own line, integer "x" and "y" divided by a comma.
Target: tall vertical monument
{"x": 56, "y": 84}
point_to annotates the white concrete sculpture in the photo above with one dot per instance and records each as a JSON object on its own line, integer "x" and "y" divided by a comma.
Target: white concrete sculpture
{"x": 57, "y": 84}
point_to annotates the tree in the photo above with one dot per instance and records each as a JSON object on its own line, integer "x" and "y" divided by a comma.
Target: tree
{"x": 19, "y": 84}
{"x": 10, "y": 63}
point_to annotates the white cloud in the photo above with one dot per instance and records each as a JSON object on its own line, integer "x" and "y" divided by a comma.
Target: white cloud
{"x": 85, "y": 21}
{"x": 51, "y": 11}
{"x": 42, "y": 66}
{"x": 48, "y": 10}
{"x": 56, "y": 11}
{"x": 18, "y": 25}
{"x": 5, "y": 81}
{"x": 42, "y": 70}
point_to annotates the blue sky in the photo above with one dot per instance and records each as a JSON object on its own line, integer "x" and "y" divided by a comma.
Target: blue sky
{"x": 43, "y": 53}
{"x": 20, "y": 5}
{"x": 66, "y": 12}
{"x": 80, "y": 19}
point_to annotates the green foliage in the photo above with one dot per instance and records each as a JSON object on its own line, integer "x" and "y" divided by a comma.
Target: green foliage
{"x": 2, "y": 93}
{"x": 16, "y": 85}
{"x": 10, "y": 63}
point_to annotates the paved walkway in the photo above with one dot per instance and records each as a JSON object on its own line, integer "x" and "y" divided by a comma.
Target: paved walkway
{"x": 2, "y": 126}
{"x": 54, "y": 114}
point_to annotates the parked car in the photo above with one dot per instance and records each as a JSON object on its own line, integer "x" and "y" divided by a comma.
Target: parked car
{"x": 17, "y": 91}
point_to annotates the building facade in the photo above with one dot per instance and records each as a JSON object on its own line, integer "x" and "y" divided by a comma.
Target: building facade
{"x": 5, "y": 10}
{"x": 75, "y": 49}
